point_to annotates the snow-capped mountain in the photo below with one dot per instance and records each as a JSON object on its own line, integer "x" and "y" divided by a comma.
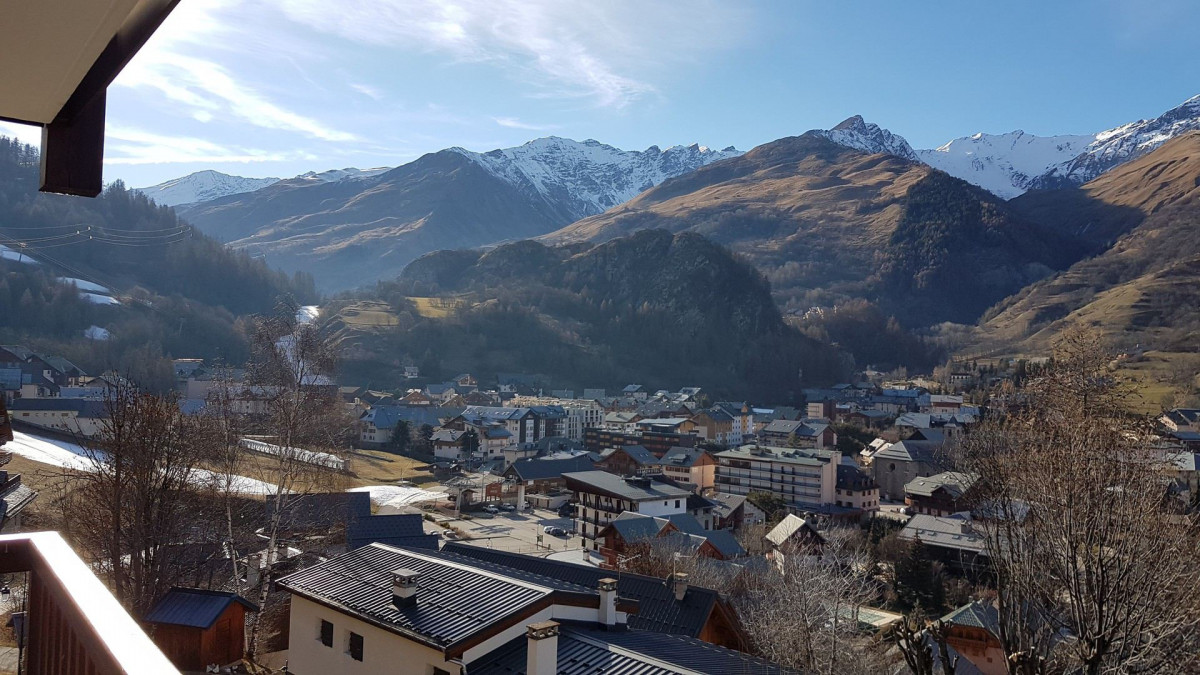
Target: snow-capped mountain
{"x": 1009, "y": 164}
{"x": 203, "y": 186}
{"x": 590, "y": 177}
{"x": 351, "y": 173}
{"x": 1129, "y": 141}
{"x": 861, "y": 135}
{"x": 1004, "y": 164}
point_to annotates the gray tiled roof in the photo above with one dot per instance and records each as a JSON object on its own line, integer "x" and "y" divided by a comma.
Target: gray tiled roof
{"x": 658, "y": 610}
{"x": 634, "y": 489}
{"x": 455, "y": 600}
{"x": 400, "y": 529}
{"x": 543, "y": 469}
{"x": 947, "y": 532}
{"x": 804, "y": 456}
{"x": 955, "y": 484}
{"x": 585, "y": 650}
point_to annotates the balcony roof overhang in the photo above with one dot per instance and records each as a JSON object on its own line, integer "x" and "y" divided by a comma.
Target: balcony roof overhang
{"x": 56, "y": 62}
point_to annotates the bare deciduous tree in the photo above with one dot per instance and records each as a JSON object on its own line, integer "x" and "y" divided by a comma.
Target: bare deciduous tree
{"x": 138, "y": 509}
{"x": 1094, "y": 574}
{"x": 291, "y": 371}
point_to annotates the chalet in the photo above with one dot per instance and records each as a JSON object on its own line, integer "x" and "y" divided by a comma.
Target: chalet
{"x": 699, "y": 613}
{"x": 601, "y": 496}
{"x": 635, "y": 391}
{"x": 729, "y": 511}
{"x": 716, "y": 426}
{"x": 376, "y": 425}
{"x": 546, "y": 475}
{"x": 628, "y": 460}
{"x": 973, "y": 632}
{"x": 415, "y": 397}
{"x": 743, "y": 420}
{"x": 690, "y": 465}
{"x": 680, "y": 533}
{"x": 941, "y": 494}
{"x": 856, "y": 490}
{"x": 379, "y": 608}
{"x": 806, "y": 433}
{"x": 942, "y": 403}
{"x": 448, "y": 444}
{"x": 196, "y": 628}
{"x": 622, "y": 421}
{"x": 953, "y": 540}
{"x": 668, "y": 425}
{"x": 793, "y": 536}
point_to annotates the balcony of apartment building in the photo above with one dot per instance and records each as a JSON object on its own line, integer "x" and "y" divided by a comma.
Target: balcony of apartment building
{"x": 71, "y": 624}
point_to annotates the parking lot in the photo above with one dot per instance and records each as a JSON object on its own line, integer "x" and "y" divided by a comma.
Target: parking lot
{"x": 516, "y": 531}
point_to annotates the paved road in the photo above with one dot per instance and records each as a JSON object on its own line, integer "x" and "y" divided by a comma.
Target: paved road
{"x": 517, "y": 531}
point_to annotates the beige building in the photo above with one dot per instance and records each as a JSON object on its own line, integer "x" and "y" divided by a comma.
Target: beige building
{"x": 601, "y": 496}
{"x": 84, "y": 417}
{"x": 801, "y": 477}
{"x": 381, "y": 609}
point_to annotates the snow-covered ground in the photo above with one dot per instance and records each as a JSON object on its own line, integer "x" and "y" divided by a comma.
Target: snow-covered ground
{"x": 396, "y": 496}
{"x": 96, "y": 333}
{"x": 98, "y": 299}
{"x": 307, "y": 313}
{"x": 71, "y": 456}
{"x": 7, "y": 253}
{"x": 84, "y": 285}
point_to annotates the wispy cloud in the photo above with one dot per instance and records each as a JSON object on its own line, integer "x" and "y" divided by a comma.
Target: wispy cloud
{"x": 560, "y": 48}
{"x": 24, "y": 133}
{"x": 514, "y": 123}
{"x": 130, "y": 146}
{"x": 367, "y": 90}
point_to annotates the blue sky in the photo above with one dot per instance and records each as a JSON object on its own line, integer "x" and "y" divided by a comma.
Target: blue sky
{"x": 279, "y": 87}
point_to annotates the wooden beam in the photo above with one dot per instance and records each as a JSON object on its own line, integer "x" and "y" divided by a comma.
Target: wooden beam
{"x": 73, "y": 144}
{"x": 73, "y": 152}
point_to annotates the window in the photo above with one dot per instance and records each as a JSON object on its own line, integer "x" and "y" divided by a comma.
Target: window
{"x": 326, "y": 635}
{"x": 676, "y": 503}
{"x": 355, "y": 649}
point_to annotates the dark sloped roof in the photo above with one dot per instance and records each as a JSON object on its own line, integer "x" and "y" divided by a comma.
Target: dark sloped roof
{"x": 977, "y": 615}
{"x": 455, "y": 599}
{"x": 542, "y": 469}
{"x": 680, "y": 456}
{"x": 82, "y": 407}
{"x": 404, "y": 529}
{"x": 658, "y": 610}
{"x": 640, "y": 454}
{"x": 194, "y": 607}
{"x": 14, "y": 498}
{"x": 586, "y": 650}
{"x": 320, "y": 511}
{"x": 633, "y": 489}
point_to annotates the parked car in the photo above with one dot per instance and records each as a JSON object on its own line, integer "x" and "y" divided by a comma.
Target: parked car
{"x": 450, "y": 534}
{"x": 508, "y": 507}
{"x": 491, "y": 509}
{"x": 566, "y": 510}
{"x": 555, "y": 531}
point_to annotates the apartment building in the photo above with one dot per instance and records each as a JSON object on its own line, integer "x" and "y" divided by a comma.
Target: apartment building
{"x": 805, "y": 478}
{"x": 601, "y": 496}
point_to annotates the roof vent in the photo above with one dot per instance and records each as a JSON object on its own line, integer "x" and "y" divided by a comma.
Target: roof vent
{"x": 404, "y": 587}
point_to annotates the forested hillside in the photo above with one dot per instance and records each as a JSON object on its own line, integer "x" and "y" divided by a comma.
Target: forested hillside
{"x": 655, "y": 308}
{"x": 121, "y": 264}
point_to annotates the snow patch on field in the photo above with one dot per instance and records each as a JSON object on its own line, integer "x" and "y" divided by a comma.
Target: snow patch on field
{"x": 96, "y": 333}
{"x": 397, "y": 496}
{"x": 72, "y": 456}
{"x": 97, "y": 299}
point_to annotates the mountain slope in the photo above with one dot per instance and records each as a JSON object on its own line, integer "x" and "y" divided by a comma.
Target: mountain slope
{"x": 827, "y": 223}
{"x": 1004, "y": 164}
{"x": 354, "y": 232}
{"x": 1124, "y": 143}
{"x": 656, "y": 308}
{"x": 1141, "y": 289}
{"x": 202, "y": 186}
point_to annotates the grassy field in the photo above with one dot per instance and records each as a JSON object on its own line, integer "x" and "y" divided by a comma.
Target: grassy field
{"x": 1163, "y": 378}
{"x": 368, "y": 314}
{"x": 373, "y": 467}
{"x": 438, "y": 308}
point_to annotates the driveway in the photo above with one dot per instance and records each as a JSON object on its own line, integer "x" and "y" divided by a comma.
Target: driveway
{"x": 517, "y": 531}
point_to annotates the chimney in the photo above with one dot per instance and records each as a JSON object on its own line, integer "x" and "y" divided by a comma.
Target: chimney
{"x": 679, "y": 581}
{"x": 541, "y": 652}
{"x": 608, "y": 602}
{"x": 404, "y": 588}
